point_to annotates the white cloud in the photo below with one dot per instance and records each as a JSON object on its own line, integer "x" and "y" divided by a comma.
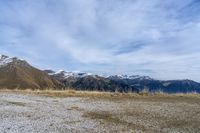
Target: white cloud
{"x": 155, "y": 37}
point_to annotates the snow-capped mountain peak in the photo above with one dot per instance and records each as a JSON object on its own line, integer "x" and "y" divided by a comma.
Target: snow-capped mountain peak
{"x": 3, "y": 56}
{"x": 131, "y": 77}
{"x": 5, "y": 60}
{"x": 67, "y": 74}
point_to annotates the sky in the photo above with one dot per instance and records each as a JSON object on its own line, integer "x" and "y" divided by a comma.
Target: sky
{"x": 157, "y": 38}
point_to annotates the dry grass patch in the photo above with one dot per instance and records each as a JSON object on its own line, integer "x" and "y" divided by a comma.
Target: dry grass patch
{"x": 72, "y": 122}
{"x": 72, "y": 93}
{"x": 103, "y": 115}
{"x": 103, "y": 95}
{"x": 75, "y": 108}
{"x": 109, "y": 118}
{"x": 16, "y": 103}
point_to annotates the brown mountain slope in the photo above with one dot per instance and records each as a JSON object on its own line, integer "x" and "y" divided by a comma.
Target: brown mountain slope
{"x": 19, "y": 74}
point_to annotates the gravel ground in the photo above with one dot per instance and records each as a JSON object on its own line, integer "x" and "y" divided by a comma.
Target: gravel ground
{"x": 29, "y": 113}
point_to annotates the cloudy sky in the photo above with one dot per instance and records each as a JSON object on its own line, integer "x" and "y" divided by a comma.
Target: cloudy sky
{"x": 159, "y": 38}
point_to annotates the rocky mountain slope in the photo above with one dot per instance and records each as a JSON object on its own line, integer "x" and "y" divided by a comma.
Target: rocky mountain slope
{"x": 17, "y": 73}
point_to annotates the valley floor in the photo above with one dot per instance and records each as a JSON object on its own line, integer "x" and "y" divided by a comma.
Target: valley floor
{"x": 27, "y": 113}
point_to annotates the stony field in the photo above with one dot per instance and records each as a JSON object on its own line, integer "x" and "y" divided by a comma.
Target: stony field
{"x": 39, "y": 113}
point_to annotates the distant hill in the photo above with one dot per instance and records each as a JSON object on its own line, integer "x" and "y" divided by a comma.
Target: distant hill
{"x": 17, "y": 73}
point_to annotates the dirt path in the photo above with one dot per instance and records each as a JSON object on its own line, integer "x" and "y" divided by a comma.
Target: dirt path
{"x": 20, "y": 113}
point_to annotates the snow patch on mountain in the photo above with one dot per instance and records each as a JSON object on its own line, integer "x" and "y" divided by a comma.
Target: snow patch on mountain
{"x": 78, "y": 74}
{"x": 67, "y": 74}
{"x": 4, "y": 60}
{"x": 131, "y": 77}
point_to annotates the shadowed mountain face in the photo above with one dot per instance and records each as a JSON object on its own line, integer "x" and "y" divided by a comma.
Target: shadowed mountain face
{"x": 16, "y": 73}
{"x": 122, "y": 83}
{"x": 86, "y": 81}
{"x": 170, "y": 86}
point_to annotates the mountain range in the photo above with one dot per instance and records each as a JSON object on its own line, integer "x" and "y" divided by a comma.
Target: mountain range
{"x": 18, "y": 73}
{"x": 122, "y": 83}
